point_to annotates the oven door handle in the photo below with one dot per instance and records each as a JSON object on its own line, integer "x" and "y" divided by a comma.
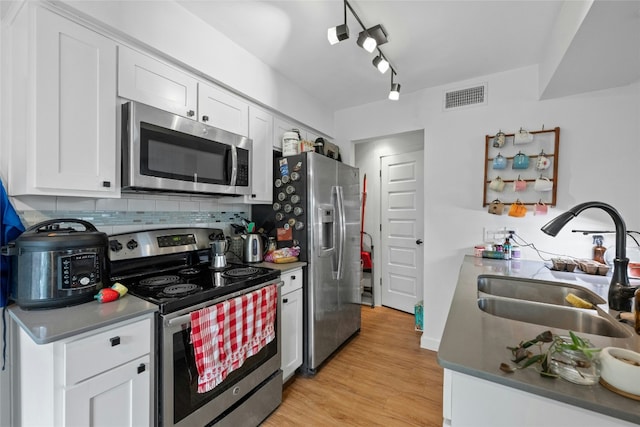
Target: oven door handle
{"x": 181, "y": 320}
{"x": 185, "y": 320}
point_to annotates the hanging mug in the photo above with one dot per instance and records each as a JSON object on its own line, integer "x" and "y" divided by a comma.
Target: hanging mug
{"x": 499, "y": 162}
{"x": 522, "y": 137}
{"x": 499, "y": 139}
{"x": 497, "y": 184}
{"x": 543, "y": 162}
{"x": 517, "y": 209}
{"x": 540, "y": 208}
{"x": 520, "y": 161}
{"x": 543, "y": 184}
{"x": 496, "y": 208}
{"x": 519, "y": 184}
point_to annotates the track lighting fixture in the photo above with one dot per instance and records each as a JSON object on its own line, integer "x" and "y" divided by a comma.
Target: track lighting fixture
{"x": 339, "y": 32}
{"x": 381, "y": 64}
{"x": 369, "y": 39}
{"x": 394, "y": 93}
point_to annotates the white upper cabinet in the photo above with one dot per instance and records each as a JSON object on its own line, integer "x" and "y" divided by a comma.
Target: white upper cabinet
{"x": 145, "y": 79}
{"x": 261, "y": 132}
{"x": 221, "y": 109}
{"x": 280, "y": 126}
{"x": 65, "y": 144}
{"x": 153, "y": 82}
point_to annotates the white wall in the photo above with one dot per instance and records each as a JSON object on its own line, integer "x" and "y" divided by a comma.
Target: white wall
{"x": 367, "y": 159}
{"x": 599, "y": 152}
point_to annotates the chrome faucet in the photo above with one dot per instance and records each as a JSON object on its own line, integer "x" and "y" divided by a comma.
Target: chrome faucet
{"x": 620, "y": 291}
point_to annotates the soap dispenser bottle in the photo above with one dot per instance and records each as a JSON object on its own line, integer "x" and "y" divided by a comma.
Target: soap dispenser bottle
{"x": 598, "y": 249}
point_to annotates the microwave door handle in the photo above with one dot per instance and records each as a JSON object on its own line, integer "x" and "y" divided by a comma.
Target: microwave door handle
{"x": 232, "y": 166}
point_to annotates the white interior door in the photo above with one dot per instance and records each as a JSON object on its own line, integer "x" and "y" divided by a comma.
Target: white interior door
{"x": 402, "y": 225}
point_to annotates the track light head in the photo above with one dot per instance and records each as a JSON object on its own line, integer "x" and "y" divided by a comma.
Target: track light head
{"x": 381, "y": 64}
{"x": 366, "y": 42}
{"x": 338, "y": 33}
{"x": 372, "y": 37}
{"x": 394, "y": 93}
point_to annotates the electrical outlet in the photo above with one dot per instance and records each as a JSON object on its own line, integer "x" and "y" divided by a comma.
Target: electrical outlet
{"x": 492, "y": 234}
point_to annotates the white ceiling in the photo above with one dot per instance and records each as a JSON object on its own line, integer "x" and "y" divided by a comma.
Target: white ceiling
{"x": 430, "y": 42}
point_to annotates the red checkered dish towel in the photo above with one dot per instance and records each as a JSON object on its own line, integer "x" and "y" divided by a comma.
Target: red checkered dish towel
{"x": 226, "y": 334}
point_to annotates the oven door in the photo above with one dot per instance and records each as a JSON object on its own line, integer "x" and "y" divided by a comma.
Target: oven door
{"x": 179, "y": 403}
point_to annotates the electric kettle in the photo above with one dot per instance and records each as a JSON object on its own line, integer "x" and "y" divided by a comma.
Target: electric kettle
{"x": 253, "y": 248}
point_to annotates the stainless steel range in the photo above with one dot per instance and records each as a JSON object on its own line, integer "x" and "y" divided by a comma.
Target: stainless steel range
{"x": 173, "y": 268}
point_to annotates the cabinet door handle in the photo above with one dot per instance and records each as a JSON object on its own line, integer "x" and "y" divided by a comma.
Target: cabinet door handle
{"x": 141, "y": 368}
{"x": 285, "y": 300}
{"x": 205, "y": 118}
{"x": 114, "y": 341}
{"x": 106, "y": 184}
{"x": 293, "y": 277}
{"x": 191, "y": 113}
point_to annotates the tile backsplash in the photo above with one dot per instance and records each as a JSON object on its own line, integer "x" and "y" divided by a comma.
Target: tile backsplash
{"x": 134, "y": 212}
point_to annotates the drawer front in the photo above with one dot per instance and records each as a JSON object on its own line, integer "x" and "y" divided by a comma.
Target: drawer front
{"x": 292, "y": 280}
{"x": 91, "y": 355}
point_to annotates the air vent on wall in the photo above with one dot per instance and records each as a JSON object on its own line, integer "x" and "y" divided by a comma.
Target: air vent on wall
{"x": 470, "y": 96}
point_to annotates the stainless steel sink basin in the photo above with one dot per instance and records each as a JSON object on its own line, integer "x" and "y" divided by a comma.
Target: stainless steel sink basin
{"x": 534, "y": 290}
{"x": 596, "y": 322}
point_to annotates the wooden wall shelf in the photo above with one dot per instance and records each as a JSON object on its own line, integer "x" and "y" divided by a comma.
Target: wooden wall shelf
{"x": 544, "y": 141}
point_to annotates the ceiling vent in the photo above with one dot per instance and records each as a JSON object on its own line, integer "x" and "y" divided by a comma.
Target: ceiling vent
{"x": 467, "y": 97}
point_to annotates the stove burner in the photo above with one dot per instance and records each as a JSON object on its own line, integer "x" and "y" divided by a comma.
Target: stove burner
{"x": 191, "y": 271}
{"x": 181, "y": 289}
{"x": 241, "y": 272}
{"x": 157, "y": 281}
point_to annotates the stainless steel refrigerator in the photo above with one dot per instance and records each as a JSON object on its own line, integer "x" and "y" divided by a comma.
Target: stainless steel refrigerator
{"x": 317, "y": 206}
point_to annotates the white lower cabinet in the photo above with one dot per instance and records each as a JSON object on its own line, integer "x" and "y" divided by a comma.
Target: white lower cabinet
{"x": 472, "y": 401}
{"x": 119, "y": 397}
{"x": 291, "y": 348}
{"x": 98, "y": 378}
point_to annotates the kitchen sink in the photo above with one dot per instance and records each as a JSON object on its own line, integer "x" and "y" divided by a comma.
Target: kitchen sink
{"x": 534, "y": 290}
{"x": 595, "y": 322}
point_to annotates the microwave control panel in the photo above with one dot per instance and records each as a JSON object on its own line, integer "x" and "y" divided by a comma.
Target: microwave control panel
{"x": 242, "y": 178}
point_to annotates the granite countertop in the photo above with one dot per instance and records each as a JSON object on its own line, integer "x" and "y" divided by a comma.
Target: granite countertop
{"x": 474, "y": 342}
{"x": 48, "y": 325}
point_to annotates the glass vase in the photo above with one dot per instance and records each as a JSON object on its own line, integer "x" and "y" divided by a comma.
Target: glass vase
{"x": 574, "y": 366}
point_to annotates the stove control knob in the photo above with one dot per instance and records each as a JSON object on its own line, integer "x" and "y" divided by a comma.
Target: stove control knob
{"x": 132, "y": 244}
{"x": 115, "y": 246}
{"x": 84, "y": 281}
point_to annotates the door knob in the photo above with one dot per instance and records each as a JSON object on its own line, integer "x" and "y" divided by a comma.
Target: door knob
{"x": 419, "y": 242}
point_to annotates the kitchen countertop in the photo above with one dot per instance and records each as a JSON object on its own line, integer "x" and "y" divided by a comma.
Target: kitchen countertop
{"x": 281, "y": 267}
{"x": 48, "y": 325}
{"x": 474, "y": 342}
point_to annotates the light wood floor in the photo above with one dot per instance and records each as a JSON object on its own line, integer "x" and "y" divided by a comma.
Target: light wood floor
{"x": 381, "y": 377}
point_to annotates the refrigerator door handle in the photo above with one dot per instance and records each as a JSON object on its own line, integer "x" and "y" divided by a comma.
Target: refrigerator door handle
{"x": 341, "y": 229}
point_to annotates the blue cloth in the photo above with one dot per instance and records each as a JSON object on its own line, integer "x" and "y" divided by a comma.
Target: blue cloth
{"x": 10, "y": 228}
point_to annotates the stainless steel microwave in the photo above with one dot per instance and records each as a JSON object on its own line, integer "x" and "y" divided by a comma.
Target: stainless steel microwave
{"x": 164, "y": 152}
